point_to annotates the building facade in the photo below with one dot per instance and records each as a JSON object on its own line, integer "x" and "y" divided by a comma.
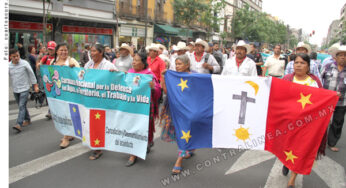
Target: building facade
{"x": 227, "y": 14}
{"x": 333, "y": 31}
{"x": 76, "y": 23}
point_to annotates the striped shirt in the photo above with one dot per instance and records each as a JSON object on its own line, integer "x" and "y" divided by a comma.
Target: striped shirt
{"x": 335, "y": 80}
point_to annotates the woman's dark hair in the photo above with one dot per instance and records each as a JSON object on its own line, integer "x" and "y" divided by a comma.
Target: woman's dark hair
{"x": 143, "y": 57}
{"x": 30, "y": 47}
{"x": 56, "y": 49}
{"x": 305, "y": 57}
{"x": 313, "y": 55}
{"x": 100, "y": 48}
{"x": 292, "y": 57}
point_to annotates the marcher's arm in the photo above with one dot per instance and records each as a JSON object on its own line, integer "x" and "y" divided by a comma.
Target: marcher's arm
{"x": 163, "y": 82}
{"x": 254, "y": 70}
{"x": 31, "y": 74}
{"x": 264, "y": 71}
{"x": 215, "y": 67}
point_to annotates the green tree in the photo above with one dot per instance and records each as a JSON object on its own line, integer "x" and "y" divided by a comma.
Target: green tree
{"x": 187, "y": 11}
{"x": 257, "y": 26}
{"x": 210, "y": 18}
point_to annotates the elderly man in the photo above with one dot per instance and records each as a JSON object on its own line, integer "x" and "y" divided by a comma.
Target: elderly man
{"x": 331, "y": 51}
{"x": 156, "y": 64}
{"x": 124, "y": 62}
{"x": 334, "y": 78}
{"x": 181, "y": 49}
{"x": 202, "y": 62}
{"x": 303, "y": 48}
{"x": 22, "y": 78}
{"x": 240, "y": 65}
{"x": 275, "y": 64}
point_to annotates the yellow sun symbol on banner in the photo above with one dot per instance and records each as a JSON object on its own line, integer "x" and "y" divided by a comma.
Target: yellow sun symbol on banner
{"x": 242, "y": 133}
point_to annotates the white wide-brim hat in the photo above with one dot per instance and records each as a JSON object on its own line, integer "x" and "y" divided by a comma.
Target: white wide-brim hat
{"x": 153, "y": 46}
{"x": 338, "y": 50}
{"x": 333, "y": 48}
{"x": 242, "y": 43}
{"x": 162, "y": 47}
{"x": 126, "y": 47}
{"x": 203, "y": 43}
{"x": 182, "y": 46}
{"x": 303, "y": 45}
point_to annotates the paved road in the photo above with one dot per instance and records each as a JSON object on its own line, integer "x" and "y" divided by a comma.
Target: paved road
{"x": 36, "y": 161}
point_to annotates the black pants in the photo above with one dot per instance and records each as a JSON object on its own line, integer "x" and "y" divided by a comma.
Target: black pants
{"x": 336, "y": 125}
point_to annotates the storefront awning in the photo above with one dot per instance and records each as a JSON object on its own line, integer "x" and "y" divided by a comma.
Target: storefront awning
{"x": 166, "y": 29}
{"x": 183, "y": 32}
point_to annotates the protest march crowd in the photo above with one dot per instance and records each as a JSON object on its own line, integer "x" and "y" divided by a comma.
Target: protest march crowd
{"x": 299, "y": 66}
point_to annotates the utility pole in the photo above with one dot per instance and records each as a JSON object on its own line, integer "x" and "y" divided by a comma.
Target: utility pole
{"x": 117, "y": 24}
{"x": 146, "y": 21}
{"x": 44, "y": 22}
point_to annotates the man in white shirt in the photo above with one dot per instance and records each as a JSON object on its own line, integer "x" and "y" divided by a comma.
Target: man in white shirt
{"x": 202, "y": 62}
{"x": 240, "y": 65}
{"x": 124, "y": 62}
{"x": 181, "y": 49}
{"x": 22, "y": 78}
{"x": 275, "y": 64}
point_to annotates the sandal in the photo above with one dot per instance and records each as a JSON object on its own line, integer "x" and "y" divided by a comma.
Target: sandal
{"x": 335, "y": 149}
{"x": 130, "y": 163}
{"x": 178, "y": 168}
{"x": 64, "y": 143}
{"x": 17, "y": 128}
{"x": 95, "y": 155}
{"x": 191, "y": 154}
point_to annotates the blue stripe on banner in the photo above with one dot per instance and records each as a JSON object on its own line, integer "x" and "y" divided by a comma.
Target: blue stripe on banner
{"x": 76, "y": 120}
{"x": 192, "y": 114}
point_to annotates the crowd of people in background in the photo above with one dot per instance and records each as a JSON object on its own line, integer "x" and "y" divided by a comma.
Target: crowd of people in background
{"x": 300, "y": 65}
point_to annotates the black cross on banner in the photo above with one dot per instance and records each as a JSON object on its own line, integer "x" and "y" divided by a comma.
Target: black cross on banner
{"x": 243, "y": 102}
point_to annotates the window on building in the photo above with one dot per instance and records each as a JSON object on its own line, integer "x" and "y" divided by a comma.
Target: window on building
{"x": 260, "y": 4}
{"x": 240, "y": 4}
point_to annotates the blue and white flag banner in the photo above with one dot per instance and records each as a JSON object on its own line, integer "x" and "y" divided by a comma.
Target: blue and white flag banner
{"x": 106, "y": 110}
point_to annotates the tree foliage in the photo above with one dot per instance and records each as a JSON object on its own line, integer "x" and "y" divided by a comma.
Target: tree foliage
{"x": 204, "y": 12}
{"x": 210, "y": 17}
{"x": 257, "y": 26}
{"x": 187, "y": 11}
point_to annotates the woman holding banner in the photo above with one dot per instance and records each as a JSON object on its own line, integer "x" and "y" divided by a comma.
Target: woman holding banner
{"x": 62, "y": 58}
{"x": 302, "y": 75}
{"x": 98, "y": 61}
{"x": 182, "y": 64}
{"x": 140, "y": 66}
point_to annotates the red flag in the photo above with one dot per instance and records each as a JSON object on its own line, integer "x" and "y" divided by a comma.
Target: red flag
{"x": 298, "y": 117}
{"x": 97, "y": 128}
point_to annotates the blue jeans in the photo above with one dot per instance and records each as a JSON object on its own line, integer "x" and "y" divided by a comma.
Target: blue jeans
{"x": 22, "y": 99}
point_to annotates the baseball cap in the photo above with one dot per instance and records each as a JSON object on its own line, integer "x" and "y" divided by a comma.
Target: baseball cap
{"x": 51, "y": 45}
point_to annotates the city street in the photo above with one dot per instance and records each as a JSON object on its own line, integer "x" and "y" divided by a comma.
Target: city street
{"x": 36, "y": 161}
